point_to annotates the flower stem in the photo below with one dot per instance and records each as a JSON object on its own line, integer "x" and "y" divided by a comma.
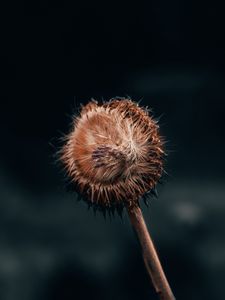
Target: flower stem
{"x": 150, "y": 256}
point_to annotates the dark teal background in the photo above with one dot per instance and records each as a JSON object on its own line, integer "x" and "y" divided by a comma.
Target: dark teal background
{"x": 172, "y": 56}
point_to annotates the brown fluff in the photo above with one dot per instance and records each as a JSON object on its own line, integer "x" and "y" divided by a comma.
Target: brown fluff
{"x": 114, "y": 153}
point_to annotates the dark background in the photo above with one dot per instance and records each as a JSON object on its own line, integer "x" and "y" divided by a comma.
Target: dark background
{"x": 170, "y": 54}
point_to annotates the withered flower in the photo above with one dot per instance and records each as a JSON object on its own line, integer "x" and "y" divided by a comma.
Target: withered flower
{"x": 114, "y": 156}
{"x": 114, "y": 153}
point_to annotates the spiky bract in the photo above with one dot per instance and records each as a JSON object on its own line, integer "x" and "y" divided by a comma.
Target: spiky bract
{"x": 114, "y": 153}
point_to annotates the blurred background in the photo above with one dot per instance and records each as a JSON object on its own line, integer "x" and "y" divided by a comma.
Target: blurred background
{"x": 169, "y": 55}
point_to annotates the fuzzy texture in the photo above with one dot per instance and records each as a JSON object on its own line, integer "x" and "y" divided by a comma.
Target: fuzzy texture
{"x": 114, "y": 153}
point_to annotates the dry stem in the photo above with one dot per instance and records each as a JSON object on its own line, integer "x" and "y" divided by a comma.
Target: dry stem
{"x": 150, "y": 256}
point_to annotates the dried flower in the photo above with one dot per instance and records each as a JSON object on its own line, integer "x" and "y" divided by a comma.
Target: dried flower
{"x": 114, "y": 156}
{"x": 114, "y": 153}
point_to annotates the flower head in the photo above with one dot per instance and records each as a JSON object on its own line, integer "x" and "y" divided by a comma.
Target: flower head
{"x": 114, "y": 153}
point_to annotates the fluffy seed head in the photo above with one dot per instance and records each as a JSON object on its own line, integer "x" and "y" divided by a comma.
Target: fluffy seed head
{"x": 114, "y": 153}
